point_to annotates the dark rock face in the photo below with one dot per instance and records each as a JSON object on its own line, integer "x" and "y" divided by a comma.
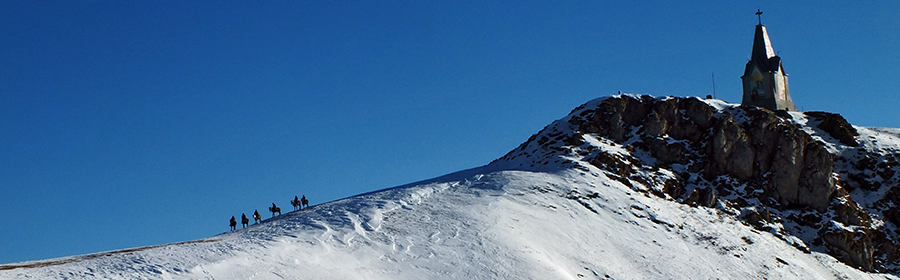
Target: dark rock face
{"x": 782, "y": 159}
{"x": 786, "y": 173}
{"x": 730, "y": 151}
{"x": 616, "y": 163}
{"x": 701, "y": 197}
{"x": 782, "y": 168}
{"x": 852, "y": 247}
{"x": 836, "y": 126}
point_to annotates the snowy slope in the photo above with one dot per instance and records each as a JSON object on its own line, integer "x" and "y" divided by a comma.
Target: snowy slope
{"x": 538, "y": 215}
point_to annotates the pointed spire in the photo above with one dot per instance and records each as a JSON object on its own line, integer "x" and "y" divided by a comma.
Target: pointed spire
{"x": 762, "y": 47}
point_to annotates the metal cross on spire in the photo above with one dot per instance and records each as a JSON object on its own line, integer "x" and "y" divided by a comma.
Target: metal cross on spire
{"x": 759, "y": 16}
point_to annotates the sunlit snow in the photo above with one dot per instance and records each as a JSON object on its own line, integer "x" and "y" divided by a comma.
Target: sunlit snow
{"x": 493, "y": 222}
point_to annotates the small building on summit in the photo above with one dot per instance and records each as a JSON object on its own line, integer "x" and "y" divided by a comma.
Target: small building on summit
{"x": 765, "y": 82}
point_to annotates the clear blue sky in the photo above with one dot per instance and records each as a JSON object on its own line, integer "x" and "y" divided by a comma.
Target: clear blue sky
{"x": 125, "y": 124}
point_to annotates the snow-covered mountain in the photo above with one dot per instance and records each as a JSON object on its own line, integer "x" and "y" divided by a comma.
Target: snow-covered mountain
{"x": 624, "y": 187}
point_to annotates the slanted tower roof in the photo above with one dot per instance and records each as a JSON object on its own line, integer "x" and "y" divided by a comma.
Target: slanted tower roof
{"x": 762, "y": 47}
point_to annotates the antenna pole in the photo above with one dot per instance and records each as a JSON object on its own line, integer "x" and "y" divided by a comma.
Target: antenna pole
{"x": 714, "y": 84}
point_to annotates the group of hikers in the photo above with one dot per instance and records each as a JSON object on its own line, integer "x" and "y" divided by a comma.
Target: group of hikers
{"x": 298, "y": 203}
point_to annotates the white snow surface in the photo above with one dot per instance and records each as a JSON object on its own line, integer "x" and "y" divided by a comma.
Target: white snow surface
{"x": 477, "y": 224}
{"x": 500, "y": 221}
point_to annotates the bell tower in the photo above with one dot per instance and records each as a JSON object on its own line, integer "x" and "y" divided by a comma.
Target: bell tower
{"x": 765, "y": 82}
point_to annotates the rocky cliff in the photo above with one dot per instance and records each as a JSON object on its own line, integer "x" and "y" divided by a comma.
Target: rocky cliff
{"x": 811, "y": 179}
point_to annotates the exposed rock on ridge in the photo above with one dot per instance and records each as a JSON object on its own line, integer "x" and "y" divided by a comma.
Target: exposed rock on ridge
{"x": 795, "y": 175}
{"x": 767, "y": 151}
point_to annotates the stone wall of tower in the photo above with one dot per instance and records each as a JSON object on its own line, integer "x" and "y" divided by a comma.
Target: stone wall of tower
{"x": 782, "y": 93}
{"x": 770, "y": 92}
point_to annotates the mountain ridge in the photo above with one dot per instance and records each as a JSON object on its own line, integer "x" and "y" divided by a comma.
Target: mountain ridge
{"x": 572, "y": 202}
{"x": 709, "y": 150}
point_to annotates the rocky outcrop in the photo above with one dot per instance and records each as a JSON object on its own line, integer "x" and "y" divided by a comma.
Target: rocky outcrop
{"x": 851, "y": 246}
{"x": 791, "y": 174}
{"x": 766, "y": 151}
{"x": 702, "y": 197}
{"x": 778, "y": 162}
{"x": 836, "y": 126}
{"x": 730, "y": 150}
